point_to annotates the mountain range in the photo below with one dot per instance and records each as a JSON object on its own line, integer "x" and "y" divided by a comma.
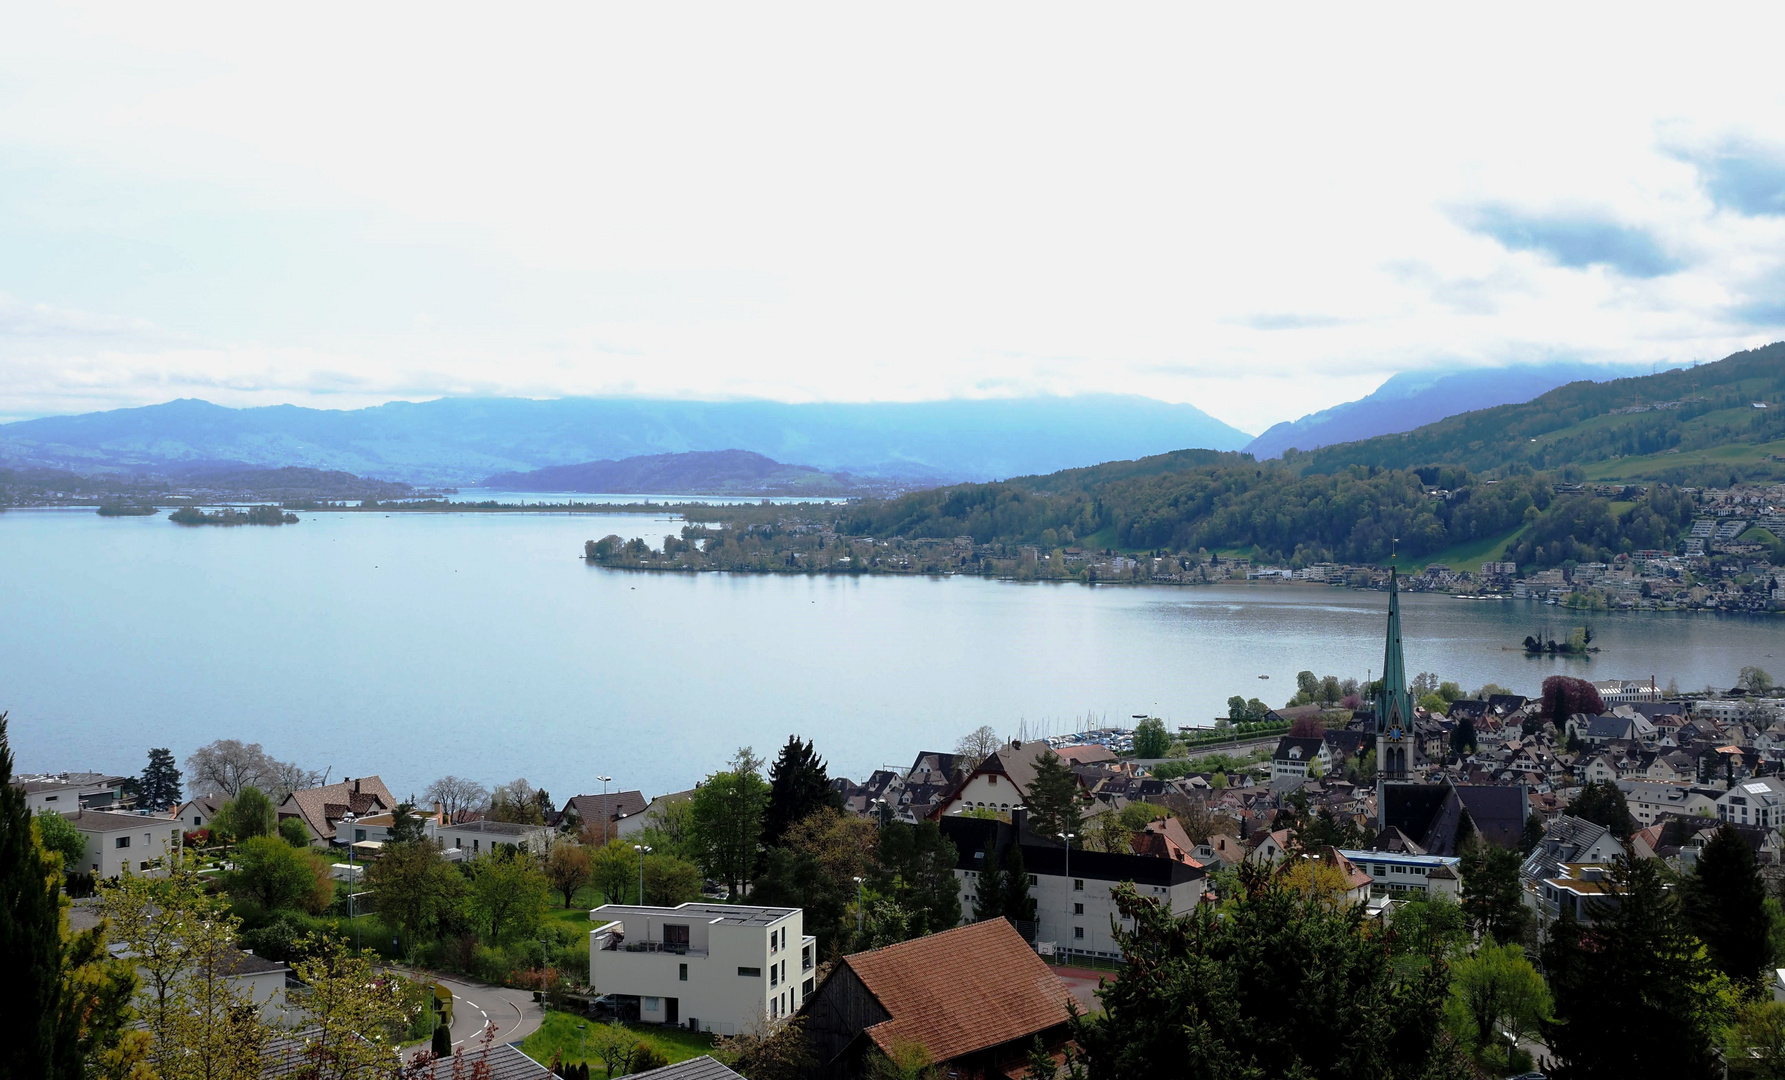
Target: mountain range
{"x": 1415, "y": 398}
{"x": 463, "y": 440}
{"x": 697, "y": 472}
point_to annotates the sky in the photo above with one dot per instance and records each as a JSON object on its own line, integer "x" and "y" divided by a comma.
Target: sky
{"x": 1260, "y": 212}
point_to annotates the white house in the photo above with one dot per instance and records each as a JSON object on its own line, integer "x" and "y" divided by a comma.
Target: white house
{"x": 1002, "y": 781}
{"x": 198, "y": 812}
{"x": 1396, "y": 873}
{"x": 120, "y": 842}
{"x": 709, "y": 967}
{"x": 1293, "y": 755}
{"x": 1760, "y": 801}
{"x": 66, "y": 793}
{"x": 651, "y": 816}
{"x": 476, "y": 838}
{"x": 1649, "y": 800}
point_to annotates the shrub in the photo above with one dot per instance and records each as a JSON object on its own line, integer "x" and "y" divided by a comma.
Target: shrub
{"x": 645, "y": 1056}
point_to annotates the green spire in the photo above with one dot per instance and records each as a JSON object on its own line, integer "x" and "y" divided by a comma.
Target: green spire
{"x": 1394, "y": 705}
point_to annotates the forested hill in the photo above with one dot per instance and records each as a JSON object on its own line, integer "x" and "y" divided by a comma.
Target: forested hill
{"x": 1694, "y": 425}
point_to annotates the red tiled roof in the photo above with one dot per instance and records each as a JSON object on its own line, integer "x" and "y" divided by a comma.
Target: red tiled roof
{"x": 962, "y": 990}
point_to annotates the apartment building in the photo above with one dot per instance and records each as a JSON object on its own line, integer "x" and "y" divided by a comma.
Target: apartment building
{"x": 709, "y": 967}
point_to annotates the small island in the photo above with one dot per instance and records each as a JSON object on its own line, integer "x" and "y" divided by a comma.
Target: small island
{"x": 1579, "y": 643}
{"x": 256, "y": 515}
{"x": 120, "y": 508}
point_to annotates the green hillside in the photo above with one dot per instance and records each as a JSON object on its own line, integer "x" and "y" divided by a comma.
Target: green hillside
{"x": 1693, "y": 425}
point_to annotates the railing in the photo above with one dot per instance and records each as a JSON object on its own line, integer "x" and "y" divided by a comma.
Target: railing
{"x": 674, "y": 948}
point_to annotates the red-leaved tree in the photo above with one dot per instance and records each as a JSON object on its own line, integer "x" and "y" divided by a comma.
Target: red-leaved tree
{"x": 1307, "y": 727}
{"x": 1565, "y": 695}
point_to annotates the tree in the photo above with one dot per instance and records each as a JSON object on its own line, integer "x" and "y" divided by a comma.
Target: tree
{"x": 1307, "y": 684}
{"x": 769, "y": 1051}
{"x": 1602, "y": 803}
{"x": 1754, "y": 1046}
{"x": 1055, "y": 798}
{"x": 227, "y": 766}
{"x": 1038, "y": 1064}
{"x": 516, "y": 801}
{"x": 414, "y": 889}
{"x": 914, "y": 866}
{"x": 977, "y": 745}
{"x": 1754, "y": 680}
{"x": 275, "y": 875}
{"x": 1151, "y": 739}
{"x": 670, "y": 881}
{"x": 246, "y": 816}
{"x": 508, "y": 895}
{"x": 1331, "y": 690}
{"x": 614, "y": 1043}
{"x": 1430, "y": 926}
{"x": 568, "y": 868}
{"x": 1307, "y": 727}
{"x": 1725, "y": 905}
{"x": 1635, "y": 994}
{"x": 1018, "y": 905}
{"x": 408, "y": 825}
{"x": 293, "y": 831}
{"x": 613, "y": 867}
{"x": 155, "y": 920}
{"x": 727, "y": 819}
{"x": 988, "y": 887}
{"x": 160, "y": 784}
{"x": 1531, "y": 835}
{"x": 798, "y": 785}
{"x": 59, "y": 836}
{"x": 1493, "y": 899}
{"x": 285, "y": 777}
{"x": 1236, "y": 709}
{"x": 214, "y": 1030}
{"x": 1462, "y": 737}
{"x": 1497, "y": 989}
{"x": 354, "y": 1017}
{"x": 30, "y": 939}
{"x": 815, "y": 869}
{"x": 456, "y": 795}
{"x": 1564, "y": 696}
{"x": 1276, "y": 983}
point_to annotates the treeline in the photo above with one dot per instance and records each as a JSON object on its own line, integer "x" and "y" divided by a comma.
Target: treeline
{"x": 256, "y": 515}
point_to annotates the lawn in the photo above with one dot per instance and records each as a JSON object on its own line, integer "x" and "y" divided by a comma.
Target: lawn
{"x": 560, "y": 1036}
{"x": 1471, "y": 554}
{"x": 1638, "y": 466}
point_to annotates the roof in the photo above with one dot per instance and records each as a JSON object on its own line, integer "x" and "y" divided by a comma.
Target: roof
{"x": 320, "y": 806}
{"x": 1086, "y": 754}
{"x": 1298, "y": 748}
{"x": 285, "y": 1057}
{"x": 730, "y": 914}
{"x": 1565, "y": 840}
{"x": 962, "y": 990}
{"x": 101, "y": 821}
{"x": 700, "y": 1068}
{"x": 971, "y": 835}
{"x": 606, "y": 807}
{"x": 1498, "y": 811}
{"x": 485, "y": 825}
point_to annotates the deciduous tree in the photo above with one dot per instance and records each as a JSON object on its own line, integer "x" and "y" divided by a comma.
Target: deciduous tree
{"x": 456, "y": 795}
{"x": 275, "y": 875}
{"x": 568, "y": 868}
{"x": 977, "y": 745}
{"x": 246, "y": 816}
{"x": 414, "y": 889}
{"x": 1151, "y": 740}
{"x": 60, "y": 836}
{"x": 1493, "y": 899}
{"x": 815, "y": 869}
{"x": 614, "y": 868}
{"x": 914, "y": 865}
{"x": 727, "y": 817}
{"x": 508, "y": 895}
{"x": 1496, "y": 989}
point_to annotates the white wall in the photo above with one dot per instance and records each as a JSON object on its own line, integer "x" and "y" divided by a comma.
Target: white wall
{"x": 105, "y": 859}
{"x": 1058, "y": 899}
{"x": 713, "y": 992}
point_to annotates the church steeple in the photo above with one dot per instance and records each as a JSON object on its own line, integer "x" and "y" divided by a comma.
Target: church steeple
{"x": 1396, "y": 745}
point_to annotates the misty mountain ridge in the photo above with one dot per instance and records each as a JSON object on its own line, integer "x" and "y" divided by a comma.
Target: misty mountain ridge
{"x": 697, "y": 472}
{"x": 1413, "y": 399}
{"x": 463, "y": 440}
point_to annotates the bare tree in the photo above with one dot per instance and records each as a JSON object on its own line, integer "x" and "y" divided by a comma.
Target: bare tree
{"x": 516, "y": 801}
{"x": 227, "y": 766}
{"x": 977, "y": 745}
{"x": 457, "y": 795}
{"x": 286, "y": 777}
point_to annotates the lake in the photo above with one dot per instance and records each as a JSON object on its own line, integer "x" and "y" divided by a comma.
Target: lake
{"x": 413, "y": 645}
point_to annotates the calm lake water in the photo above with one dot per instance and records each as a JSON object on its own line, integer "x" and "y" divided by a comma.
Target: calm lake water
{"x": 414, "y": 645}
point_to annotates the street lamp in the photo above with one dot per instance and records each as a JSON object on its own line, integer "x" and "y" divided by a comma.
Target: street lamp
{"x": 584, "y": 1028}
{"x": 858, "y": 909}
{"x": 1067, "y": 837}
{"x": 642, "y": 850}
{"x": 352, "y": 878}
{"x": 605, "y": 780}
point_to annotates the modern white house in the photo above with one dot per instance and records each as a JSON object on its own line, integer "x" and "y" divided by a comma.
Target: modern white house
{"x": 1394, "y": 873}
{"x": 67, "y": 792}
{"x": 477, "y": 838}
{"x": 1760, "y": 801}
{"x": 708, "y": 967}
{"x": 123, "y": 842}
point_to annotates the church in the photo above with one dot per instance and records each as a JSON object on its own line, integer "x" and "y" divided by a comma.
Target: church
{"x": 1413, "y": 815}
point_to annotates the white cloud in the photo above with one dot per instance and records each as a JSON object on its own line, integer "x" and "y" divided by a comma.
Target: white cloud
{"x": 1263, "y": 212}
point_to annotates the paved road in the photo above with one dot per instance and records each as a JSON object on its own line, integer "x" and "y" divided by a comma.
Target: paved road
{"x": 474, "y": 1004}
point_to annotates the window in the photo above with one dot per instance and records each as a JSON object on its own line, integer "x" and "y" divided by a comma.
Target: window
{"x": 750, "y": 973}
{"x": 1078, "y": 933}
{"x": 774, "y": 975}
{"x": 1078, "y": 884}
{"x": 122, "y": 841}
{"x": 653, "y": 1005}
{"x": 682, "y": 975}
{"x": 1033, "y": 880}
{"x": 359, "y": 835}
{"x": 1078, "y": 909}
{"x": 992, "y": 779}
{"x": 806, "y": 988}
{"x": 674, "y": 934}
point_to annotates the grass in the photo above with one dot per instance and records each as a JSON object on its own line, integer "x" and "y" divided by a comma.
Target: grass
{"x": 1471, "y": 554}
{"x": 559, "y": 1035}
{"x": 1639, "y": 466}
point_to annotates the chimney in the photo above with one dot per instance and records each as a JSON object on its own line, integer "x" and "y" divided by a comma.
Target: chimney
{"x": 356, "y": 787}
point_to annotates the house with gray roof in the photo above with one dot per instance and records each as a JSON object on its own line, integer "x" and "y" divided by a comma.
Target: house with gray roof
{"x": 120, "y": 842}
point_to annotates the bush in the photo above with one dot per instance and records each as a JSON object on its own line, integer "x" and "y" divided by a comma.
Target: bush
{"x": 645, "y": 1056}
{"x": 489, "y": 965}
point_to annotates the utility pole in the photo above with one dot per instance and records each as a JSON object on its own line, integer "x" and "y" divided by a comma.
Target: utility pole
{"x": 642, "y": 850}
{"x": 606, "y": 815}
{"x": 858, "y": 910}
{"x": 1067, "y": 837}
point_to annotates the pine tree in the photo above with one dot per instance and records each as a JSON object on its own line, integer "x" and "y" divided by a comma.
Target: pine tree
{"x": 160, "y": 788}
{"x": 988, "y": 893}
{"x": 1054, "y": 800}
{"x": 1040, "y": 1064}
{"x": 38, "y": 1043}
{"x": 1019, "y": 906}
{"x": 798, "y": 785}
{"x": 1725, "y": 902}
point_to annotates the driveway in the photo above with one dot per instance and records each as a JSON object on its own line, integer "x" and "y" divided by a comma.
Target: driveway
{"x": 475, "y": 1004}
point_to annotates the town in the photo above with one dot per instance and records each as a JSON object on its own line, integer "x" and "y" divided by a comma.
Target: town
{"x": 771, "y": 920}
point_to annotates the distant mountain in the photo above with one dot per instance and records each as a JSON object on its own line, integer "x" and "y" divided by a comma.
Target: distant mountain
{"x": 1698, "y": 425}
{"x": 461, "y": 440}
{"x": 699, "y": 472}
{"x": 1415, "y": 398}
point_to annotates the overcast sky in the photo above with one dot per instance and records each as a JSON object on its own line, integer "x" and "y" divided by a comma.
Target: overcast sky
{"x": 1259, "y": 214}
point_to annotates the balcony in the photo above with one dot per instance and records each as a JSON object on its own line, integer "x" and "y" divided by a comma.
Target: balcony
{"x": 615, "y": 941}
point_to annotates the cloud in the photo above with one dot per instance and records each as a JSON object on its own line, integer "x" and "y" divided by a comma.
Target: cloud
{"x": 1742, "y": 176}
{"x": 1575, "y": 241}
{"x": 1291, "y": 321}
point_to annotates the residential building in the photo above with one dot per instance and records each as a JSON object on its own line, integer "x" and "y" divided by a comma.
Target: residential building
{"x": 1396, "y": 873}
{"x": 197, "y": 812}
{"x": 1294, "y": 754}
{"x": 1567, "y": 840}
{"x": 1574, "y": 889}
{"x": 976, "y": 997}
{"x": 704, "y": 1067}
{"x": 601, "y": 814}
{"x": 320, "y": 808}
{"x": 117, "y": 843}
{"x": 710, "y": 967}
{"x": 651, "y": 816}
{"x": 1760, "y": 801}
{"x": 70, "y": 791}
{"x": 1073, "y": 891}
{"x": 475, "y": 838}
{"x": 1001, "y": 781}
{"x": 1649, "y": 800}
